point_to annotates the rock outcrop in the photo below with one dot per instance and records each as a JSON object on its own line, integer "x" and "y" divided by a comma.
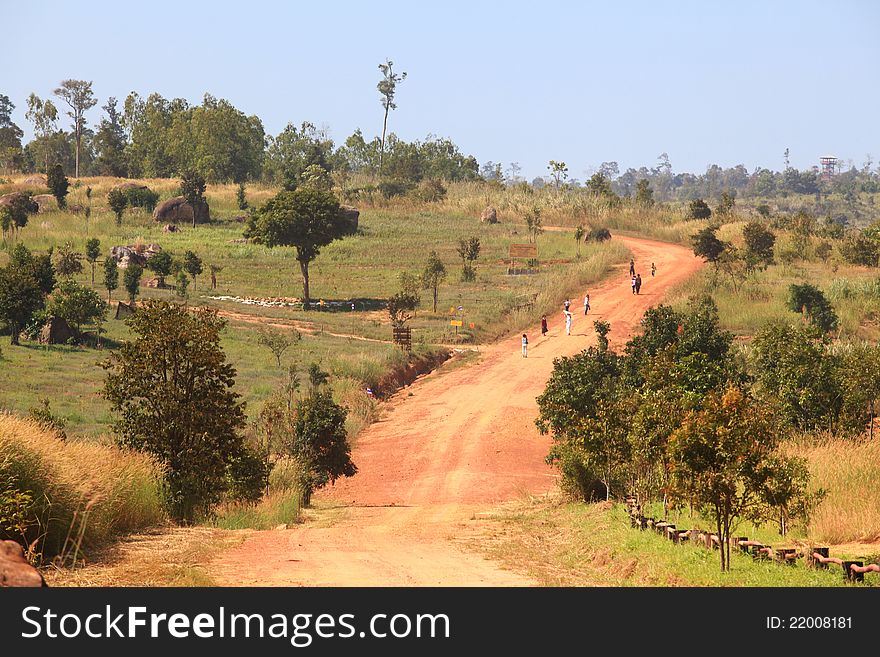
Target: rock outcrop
{"x": 349, "y": 216}
{"x": 177, "y": 210}
{"x": 55, "y": 331}
{"x": 14, "y": 568}
{"x": 46, "y": 202}
{"x": 489, "y": 216}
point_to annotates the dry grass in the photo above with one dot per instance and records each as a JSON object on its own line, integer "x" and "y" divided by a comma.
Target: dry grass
{"x": 83, "y": 494}
{"x": 163, "y": 557}
{"x": 850, "y": 472}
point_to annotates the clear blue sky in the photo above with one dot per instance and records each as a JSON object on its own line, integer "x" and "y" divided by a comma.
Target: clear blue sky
{"x": 583, "y": 82}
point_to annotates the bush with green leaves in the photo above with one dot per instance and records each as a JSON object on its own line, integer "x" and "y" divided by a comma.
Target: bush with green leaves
{"x": 141, "y": 197}
{"x": 811, "y": 303}
{"x": 161, "y": 264}
{"x": 131, "y": 280}
{"x": 171, "y": 391}
{"x": 76, "y": 304}
{"x": 698, "y": 209}
{"x": 58, "y": 185}
{"x": 118, "y": 201}
{"x": 320, "y": 441}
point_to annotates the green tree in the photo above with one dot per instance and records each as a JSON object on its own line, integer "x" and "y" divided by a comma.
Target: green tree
{"x": 111, "y": 276}
{"x": 582, "y": 408}
{"x": 93, "y": 252}
{"x": 307, "y": 219}
{"x": 109, "y": 143}
{"x": 857, "y": 249}
{"x": 387, "y": 89}
{"x": 58, "y": 185}
{"x": 468, "y": 250}
{"x": 241, "y": 197}
{"x": 795, "y": 370}
{"x": 20, "y": 298}
{"x": 160, "y": 264}
{"x": 10, "y": 136}
{"x": 172, "y": 392}
{"x": 15, "y": 215}
{"x": 721, "y": 454}
{"x": 598, "y": 185}
{"x": 77, "y": 305}
{"x": 181, "y": 283}
{"x": 707, "y": 245}
{"x": 39, "y": 266}
{"x": 697, "y": 209}
{"x": 131, "y": 280}
{"x": 79, "y": 97}
{"x": 278, "y": 341}
{"x": 559, "y": 172}
{"x": 320, "y": 441}
{"x": 192, "y": 265}
{"x": 534, "y": 224}
{"x": 759, "y": 244}
{"x": 118, "y": 201}
{"x": 67, "y": 262}
{"x": 644, "y": 193}
{"x": 192, "y": 188}
{"x": 813, "y": 305}
{"x": 726, "y": 203}
{"x": 433, "y": 275}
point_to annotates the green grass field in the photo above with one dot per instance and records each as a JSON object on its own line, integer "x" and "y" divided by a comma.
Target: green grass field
{"x": 593, "y": 545}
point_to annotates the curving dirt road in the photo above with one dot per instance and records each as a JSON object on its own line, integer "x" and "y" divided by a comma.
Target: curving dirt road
{"x": 450, "y": 447}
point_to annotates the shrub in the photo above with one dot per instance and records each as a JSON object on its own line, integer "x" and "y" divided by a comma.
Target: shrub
{"x": 598, "y": 235}
{"x": 140, "y": 197}
{"x": 392, "y": 188}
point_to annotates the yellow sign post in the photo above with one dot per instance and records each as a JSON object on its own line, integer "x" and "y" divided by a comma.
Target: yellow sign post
{"x": 456, "y": 323}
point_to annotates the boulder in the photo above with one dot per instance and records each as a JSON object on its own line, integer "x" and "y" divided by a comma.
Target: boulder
{"x": 489, "y": 216}
{"x": 349, "y": 216}
{"x": 55, "y": 331}
{"x": 169, "y": 228}
{"x": 8, "y": 199}
{"x": 177, "y": 210}
{"x": 124, "y": 255}
{"x": 14, "y": 568}
{"x": 129, "y": 185}
{"x": 123, "y": 310}
{"x": 38, "y": 180}
{"x": 155, "y": 283}
{"x": 75, "y": 208}
{"x": 46, "y": 202}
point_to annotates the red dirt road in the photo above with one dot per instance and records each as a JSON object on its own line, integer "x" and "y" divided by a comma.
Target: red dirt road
{"x": 451, "y": 446}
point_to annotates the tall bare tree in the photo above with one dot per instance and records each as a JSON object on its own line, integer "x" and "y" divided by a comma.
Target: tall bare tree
{"x": 387, "y": 88}
{"x": 44, "y": 117}
{"x": 78, "y": 95}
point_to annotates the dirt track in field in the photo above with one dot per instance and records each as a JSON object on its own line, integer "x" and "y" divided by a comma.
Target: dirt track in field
{"x": 449, "y": 448}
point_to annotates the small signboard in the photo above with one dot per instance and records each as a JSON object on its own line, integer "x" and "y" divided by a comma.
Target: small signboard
{"x": 523, "y": 250}
{"x": 456, "y": 322}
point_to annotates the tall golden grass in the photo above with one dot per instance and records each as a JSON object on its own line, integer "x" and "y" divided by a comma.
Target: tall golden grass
{"x": 849, "y": 470}
{"x": 82, "y": 494}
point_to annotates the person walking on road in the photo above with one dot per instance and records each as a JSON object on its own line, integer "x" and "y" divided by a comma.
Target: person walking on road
{"x": 586, "y": 304}
{"x": 567, "y": 322}
{"x": 543, "y": 325}
{"x": 633, "y": 283}
{"x": 638, "y": 283}
{"x": 525, "y": 346}
{"x": 653, "y": 269}
{"x": 567, "y": 304}
{"x": 632, "y": 267}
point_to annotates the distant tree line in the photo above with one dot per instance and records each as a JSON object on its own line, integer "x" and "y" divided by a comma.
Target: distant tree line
{"x": 156, "y": 137}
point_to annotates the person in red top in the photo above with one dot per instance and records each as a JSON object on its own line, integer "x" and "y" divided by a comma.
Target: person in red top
{"x": 543, "y": 325}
